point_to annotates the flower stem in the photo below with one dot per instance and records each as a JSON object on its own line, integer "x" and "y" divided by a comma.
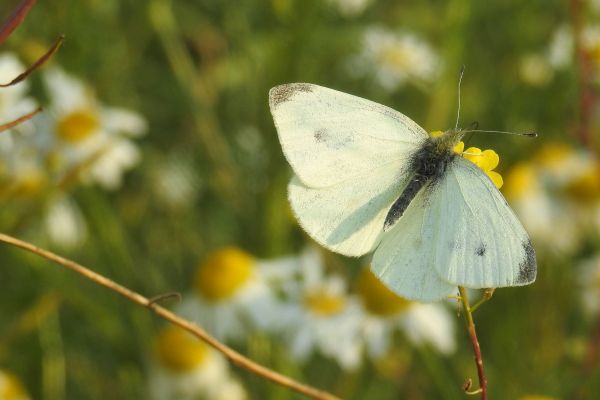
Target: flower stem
{"x": 235, "y": 357}
{"x": 476, "y": 349}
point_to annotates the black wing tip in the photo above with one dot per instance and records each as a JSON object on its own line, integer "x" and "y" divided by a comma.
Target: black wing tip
{"x": 282, "y": 93}
{"x": 528, "y": 265}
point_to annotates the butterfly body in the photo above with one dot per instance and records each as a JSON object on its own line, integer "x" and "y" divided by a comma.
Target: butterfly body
{"x": 369, "y": 179}
{"x": 426, "y": 167}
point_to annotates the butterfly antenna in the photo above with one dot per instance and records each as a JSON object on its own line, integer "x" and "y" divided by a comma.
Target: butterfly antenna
{"x": 528, "y": 134}
{"x": 460, "y": 76}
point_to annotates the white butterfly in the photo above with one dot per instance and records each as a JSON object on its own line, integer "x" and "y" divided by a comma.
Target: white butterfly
{"x": 370, "y": 179}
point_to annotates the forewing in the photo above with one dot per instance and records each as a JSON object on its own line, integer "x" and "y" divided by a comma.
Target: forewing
{"x": 348, "y": 217}
{"x": 404, "y": 261}
{"x": 478, "y": 242}
{"x": 329, "y": 136}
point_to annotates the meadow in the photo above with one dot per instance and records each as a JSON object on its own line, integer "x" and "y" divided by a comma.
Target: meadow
{"x": 156, "y": 162}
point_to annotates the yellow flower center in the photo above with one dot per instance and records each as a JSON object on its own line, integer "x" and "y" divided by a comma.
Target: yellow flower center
{"x": 178, "y": 350}
{"x": 223, "y": 273}
{"x": 77, "y": 126}
{"x": 322, "y": 303}
{"x": 11, "y": 388}
{"x": 520, "y": 180}
{"x": 396, "y": 58}
{"x": 377, "y": 298}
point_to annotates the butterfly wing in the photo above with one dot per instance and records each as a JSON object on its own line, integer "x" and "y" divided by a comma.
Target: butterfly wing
{"x": 350, "y": 157}
{"x": 329, "y": 136}
{"x": 404, "y": 260}
{"x": 478, "y": 241}
{"x": 347, "y": 217}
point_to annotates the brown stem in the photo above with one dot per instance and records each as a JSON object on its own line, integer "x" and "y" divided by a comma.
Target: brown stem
{"x": 15, "y": 19}
{"x": 235, "y": 357}
{"x": 476, "y": 349}
{"x": 40, "y": 61}
{"x": 9, "y": 125}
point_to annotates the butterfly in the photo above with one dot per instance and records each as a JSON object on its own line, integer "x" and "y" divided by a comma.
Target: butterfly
{"x": 369, "y": 179}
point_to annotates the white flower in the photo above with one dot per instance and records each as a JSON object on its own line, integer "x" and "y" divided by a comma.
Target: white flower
{"x": 395, "y": 58}
{"x": 535, "y": 70}
{"x": 350, "y": 8}
{"x": 185, "y": 368}
{"x": 82, "y": 136}
{"x": 557, "y": 196}
{"x": 385, "y": 313}
{"x": 560, "y": 51}
{"x": 11, "y": 388}
{"x": 322, "y": 317}
{"x": 64, "y": 223}
{"x": 13, "y": 100}
{"x": 22, "y": 172}
{"x": 233, "y": 294}
{"x": 176, "y": 181}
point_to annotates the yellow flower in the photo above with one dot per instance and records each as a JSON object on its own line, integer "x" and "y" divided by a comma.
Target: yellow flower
{"x": 223, "y": 273}
{"x": 11, "y": 388}
{"x": 487, "y": 160}
{"x": 77, "y": 126}
{"x": 323, "y": 303}
{"x": 520, "y": 180}
{"x": 377, "y": 298}
{"x": 178, "y": 350}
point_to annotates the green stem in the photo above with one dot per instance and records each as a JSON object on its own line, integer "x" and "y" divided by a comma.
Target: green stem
{"x": 475, "y": 343}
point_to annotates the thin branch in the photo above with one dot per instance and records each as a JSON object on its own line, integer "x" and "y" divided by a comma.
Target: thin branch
{"x": 235, "y": 357}
{"x": 15, "y": 19}
{"x": 476, "y": 349}
{"x": 9, "y": 125}
{"x": 41, "y": 61}
{"x": 487, "y": 294}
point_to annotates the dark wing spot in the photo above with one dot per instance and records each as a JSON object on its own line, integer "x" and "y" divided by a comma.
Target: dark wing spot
{"x": 480, "y": 250}
{"x": 282, "y": 93}
{"x": 528, "y": 266}
{"x": 320, "y": 135}
{"x": 334, "y": 142}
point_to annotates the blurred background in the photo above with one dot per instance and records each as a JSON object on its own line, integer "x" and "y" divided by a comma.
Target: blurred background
{"x": 156, "y": 163}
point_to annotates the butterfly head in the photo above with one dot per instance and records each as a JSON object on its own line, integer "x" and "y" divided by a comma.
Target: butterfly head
{"x": 446, "y": 141}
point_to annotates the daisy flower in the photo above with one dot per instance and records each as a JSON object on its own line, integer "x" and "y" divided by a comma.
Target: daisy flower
{"x": 557, "y": 196}
{"x": 11, "y": 387}
{"x": 234, "y": 294}
{"x": 394, "y": 58}
{"x": 323, "y": 317}
{"x": 64, "y": 223}
{"x": 81, "y": 135}
{"x": 13, "y": 99}
{"x": 385, "y": 313}
{"x": 185, "y": 368}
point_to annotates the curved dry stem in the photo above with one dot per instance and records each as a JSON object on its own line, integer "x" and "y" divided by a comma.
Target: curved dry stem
{"x": 475, "y": 343}
{"x": 15, "y": 19}
{"x": 38, "y": 63}
{"x": 9, "y": 125}
{"x": 235, "y": 357}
